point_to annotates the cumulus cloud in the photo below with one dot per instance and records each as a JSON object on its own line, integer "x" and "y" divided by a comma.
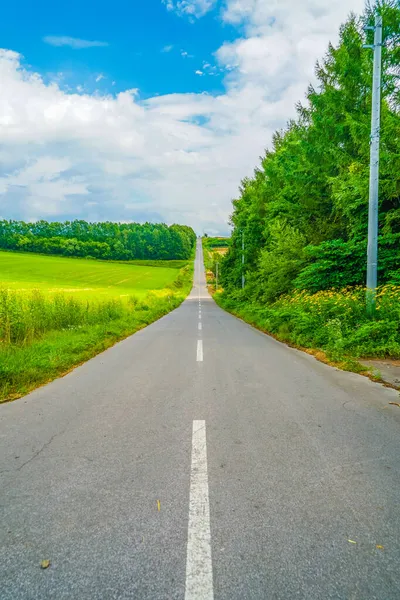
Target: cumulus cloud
{"x": 177, "y": 157}
{"x": 75, "y": 43}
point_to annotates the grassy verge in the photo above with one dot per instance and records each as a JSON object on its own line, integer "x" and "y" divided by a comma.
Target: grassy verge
{"x": 43, "y": 337}
{"x": 332, "y": 325}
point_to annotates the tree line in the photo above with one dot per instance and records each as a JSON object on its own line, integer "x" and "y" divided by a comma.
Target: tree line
{"x": 106, "y": 241}
{"x": 304, "y": 213}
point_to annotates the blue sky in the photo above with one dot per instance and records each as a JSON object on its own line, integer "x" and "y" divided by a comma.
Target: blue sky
{"x": 151, "y": 110}
{"x": 136, "y": 33}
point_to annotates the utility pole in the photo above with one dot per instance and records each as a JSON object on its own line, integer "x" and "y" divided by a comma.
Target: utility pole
{"x": 242, "y": 259}
{"x": 372, "y": 252}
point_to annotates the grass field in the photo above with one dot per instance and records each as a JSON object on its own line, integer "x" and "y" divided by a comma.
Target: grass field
{"x": 56, "y": 312}
{"x": 84, "y": 279}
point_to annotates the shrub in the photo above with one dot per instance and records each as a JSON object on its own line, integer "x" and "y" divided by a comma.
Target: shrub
{"x": 335, "y": 321}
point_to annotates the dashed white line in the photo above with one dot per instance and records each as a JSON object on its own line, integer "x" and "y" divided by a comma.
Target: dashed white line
{"x": 199, "y": 326}
{"x": 199, "y": 578}
{"x": 199, "y": 350}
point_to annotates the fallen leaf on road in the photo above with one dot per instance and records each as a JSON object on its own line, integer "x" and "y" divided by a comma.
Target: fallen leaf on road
{"x": 45, "y": 564}
{"x": 380, "y": 547}
{"x": 158, "y": 505}
{"x": 352, "y": 541}
{"x": 395, "y": 403}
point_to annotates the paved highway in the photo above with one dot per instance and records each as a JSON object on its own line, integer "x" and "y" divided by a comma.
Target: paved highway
{"x": 201, "y": 459}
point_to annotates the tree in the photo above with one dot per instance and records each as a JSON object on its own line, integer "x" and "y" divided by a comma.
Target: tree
{"x": 305, "y": 209}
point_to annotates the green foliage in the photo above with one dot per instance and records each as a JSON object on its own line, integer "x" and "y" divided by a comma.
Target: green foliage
{"x": 280, "y": 262}
{"x": 212, "y": 257}
{"x": 106, "y": 241}
{"x": 304, "y": 213}
{"x": 334, "y": 321}
{"x": 26, "y": 316}
{"x": 215, "y": 242}
{"x": 322, "y": 272}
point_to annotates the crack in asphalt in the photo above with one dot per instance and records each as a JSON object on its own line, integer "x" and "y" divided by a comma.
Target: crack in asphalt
{"x": 38, "y": 452}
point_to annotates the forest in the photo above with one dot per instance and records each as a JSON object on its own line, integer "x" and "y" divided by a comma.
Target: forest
{"x": 304, "y": 212}
{"x": 106, "y": 241}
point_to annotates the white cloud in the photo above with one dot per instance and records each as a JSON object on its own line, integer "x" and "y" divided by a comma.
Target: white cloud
{"x": 99, "y": 77}
{"x": 190, "y": 8}
{"x": 178, "y": 157}
{"x": 198, "y": 72}
{"x": 75, "y": 43}
{"x": 167, "y": 48}
{"x": 186, "y": 54}
{"x": 209, "y": 69}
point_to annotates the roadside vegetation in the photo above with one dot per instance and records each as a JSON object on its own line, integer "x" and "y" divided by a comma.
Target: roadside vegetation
{"x": 214, "y": 249}
{"x": 333, "y": 321}
{"x": 304, "y": 213}
{"x": 213, "y": 243}
{"x": 56, "y": 313}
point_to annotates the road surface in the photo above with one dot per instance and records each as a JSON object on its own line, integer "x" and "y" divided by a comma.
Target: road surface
{"x": 201, "y": 459}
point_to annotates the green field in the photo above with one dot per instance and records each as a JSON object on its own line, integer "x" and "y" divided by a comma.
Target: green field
{"x": 57, "y": 312}
{"x": 83, "y": 279}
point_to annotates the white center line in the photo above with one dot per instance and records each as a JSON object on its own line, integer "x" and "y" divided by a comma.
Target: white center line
{"x": 199, "y": 578}
{"x": 199, "y": 350}
{"x": 199, "y": 326}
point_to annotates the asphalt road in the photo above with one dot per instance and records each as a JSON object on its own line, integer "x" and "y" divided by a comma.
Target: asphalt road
{"x": 200, "y": 463}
